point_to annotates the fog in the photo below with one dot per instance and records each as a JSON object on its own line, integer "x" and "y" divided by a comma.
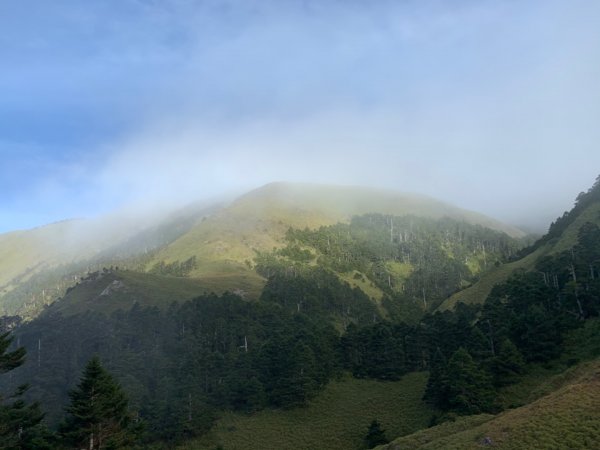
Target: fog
{"x": 145, "y": 106}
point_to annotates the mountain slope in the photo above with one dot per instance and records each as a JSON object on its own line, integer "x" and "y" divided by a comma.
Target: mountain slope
{"x": 38, "y": 265}
{"x": 478, "y": 292}
{"x": 217, "y": 244}
{"x": 227, "y": 242}
{"x": 565, "y": 419}
{"x": 109, "y": 290}
{"x": 337, "y": 419}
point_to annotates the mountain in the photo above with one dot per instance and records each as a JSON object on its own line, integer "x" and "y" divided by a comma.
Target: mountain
{"x": 561, "y": 237}
{"x": 219, "y": 242}
{"x": 37, "y": 266}
{"x": 567, "y": 417}
{"x": 230, "y": 324}
{"x": 260, "y": 219}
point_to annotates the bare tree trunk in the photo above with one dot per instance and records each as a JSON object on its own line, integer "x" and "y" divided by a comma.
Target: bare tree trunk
{"x": 491, "y": 338}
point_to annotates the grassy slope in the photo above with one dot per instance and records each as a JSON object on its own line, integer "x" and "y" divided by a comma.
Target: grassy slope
{"x": 21, "y": 251}
{"x": 126, "y": 288}
{"x": 478, "y": 292}
{"x": 227, "y": 241}
{"x": 567, "y": 418}
{"x": 337, "y": 419}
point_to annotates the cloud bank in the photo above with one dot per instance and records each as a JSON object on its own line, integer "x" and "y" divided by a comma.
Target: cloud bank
{"x": 492, "y": 106}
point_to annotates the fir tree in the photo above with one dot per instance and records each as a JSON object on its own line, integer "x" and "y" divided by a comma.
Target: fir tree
{"x": 375, "y": 435}
{"x": 469, "y": 388}
{"x": 98, "y": 415}
{"x": 508, "y": 365}
{"x": 20, "y": 423}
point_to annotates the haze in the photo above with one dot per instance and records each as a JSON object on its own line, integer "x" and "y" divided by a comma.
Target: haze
{"x": 492, "y": 106}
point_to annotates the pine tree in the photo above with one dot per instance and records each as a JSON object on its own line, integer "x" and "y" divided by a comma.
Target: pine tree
{"x": 469, "y": 388}
{"x": 375, "y": 435}
{"x": 10, "y": 360}
{"x": 20, "y": 423}
{"x": 98, "y": 413}
{"x": 508, "y": 365}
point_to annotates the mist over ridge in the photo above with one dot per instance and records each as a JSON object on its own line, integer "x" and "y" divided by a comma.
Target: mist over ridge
{"x": 491, "y": 107}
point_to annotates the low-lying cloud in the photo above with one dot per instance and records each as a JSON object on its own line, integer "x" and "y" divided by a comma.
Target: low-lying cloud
{"x": 490, "y": 106}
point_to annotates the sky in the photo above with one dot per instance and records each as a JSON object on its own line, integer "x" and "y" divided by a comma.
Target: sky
{"x": 493, "y": 106}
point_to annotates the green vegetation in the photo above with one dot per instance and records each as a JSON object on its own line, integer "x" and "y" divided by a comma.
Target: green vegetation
{"x": 20, "y": 423}
{"x": 109, "y": 290}
{"x": 182, "y": 364}
{"x": 407, "y": 264}
{"x": 326, "y": 325}
{"x": 561, "y": 237}
{"x": 98, "y": 416}
{"x": 375, "y": 435}
{"x": 565, "y": 419}
{"x": 338, "y": 418}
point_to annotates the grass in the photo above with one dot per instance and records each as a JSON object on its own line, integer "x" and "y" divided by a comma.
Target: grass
{"x": 478, "y": 292}
{"x": 567, "y": 418}
{"x": 337, "y": 419}
{"x": 569, "y": 237}
{"x": 224, "y": 243}
{"x": 363, "y": 283}
{"x": 259, "y": 220}
{"x": 127, "y": 287}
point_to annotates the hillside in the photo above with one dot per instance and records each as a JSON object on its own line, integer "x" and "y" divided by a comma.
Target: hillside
{"x": 37, "y": 266}
{"x": 478, "y": 292}
{"x": 336, "y": 420}
{"x": 217, "y": 244}
{"x": 228, "y": 240}
{"x": 330, "y": 324}
{"x": 108, "y": 290}
{"x": 567, "y": 418}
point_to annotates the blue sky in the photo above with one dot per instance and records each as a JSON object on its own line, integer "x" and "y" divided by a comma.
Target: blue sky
{"x": 491, "y": 105}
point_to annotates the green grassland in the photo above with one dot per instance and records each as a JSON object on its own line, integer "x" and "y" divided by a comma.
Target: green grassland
{"x": 567, "y": 418}
{"x": 359, "y": 280}
{"x": 113, "y": 290}
{"x": 337, "y": 419}
{"x": 22, "y": 252}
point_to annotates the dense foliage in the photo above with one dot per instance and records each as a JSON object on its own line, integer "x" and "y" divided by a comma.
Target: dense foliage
{"x": 20, "y": 422}
{"x": 182, "y": 364}
{"x": 98, "y": 416}
{"x": 524, "y": 320}
{"x": 176, "y": 268}
{"x": 405, "y": 256}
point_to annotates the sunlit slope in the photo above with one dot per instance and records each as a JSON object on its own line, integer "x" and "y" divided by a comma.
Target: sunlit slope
{"x": 336, "y": 420}
{"x": 37, "y": 265}
{"x": 478, "y": 292}
{"x": 223, "y": 240}
{"x": 566, "y": 419}
{"x": 228, "y": 240}
{"x": 23, "y": 252}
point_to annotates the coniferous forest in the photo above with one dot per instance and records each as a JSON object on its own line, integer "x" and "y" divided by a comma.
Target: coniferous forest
{"x": 149, "y": 376}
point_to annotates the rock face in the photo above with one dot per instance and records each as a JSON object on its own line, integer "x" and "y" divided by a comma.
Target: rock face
{"x": 116, "y": 285}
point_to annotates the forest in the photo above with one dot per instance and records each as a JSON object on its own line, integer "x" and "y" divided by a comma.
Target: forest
{"x": 173, "y": 371}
